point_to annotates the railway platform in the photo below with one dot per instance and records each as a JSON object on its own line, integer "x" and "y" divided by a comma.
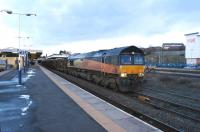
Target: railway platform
{"x": 47, "y": 102}
{"x": 7, "y": 75}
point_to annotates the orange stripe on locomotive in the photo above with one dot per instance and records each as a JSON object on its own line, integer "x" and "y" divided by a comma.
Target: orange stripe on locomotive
{"x": 95, "y": 66}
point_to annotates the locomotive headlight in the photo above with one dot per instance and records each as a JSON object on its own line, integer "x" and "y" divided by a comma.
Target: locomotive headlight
{"x": 123, "y": 75}
{"x": 141, "y": 74}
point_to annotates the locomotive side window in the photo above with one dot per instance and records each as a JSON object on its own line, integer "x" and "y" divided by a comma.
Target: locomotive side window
{"x": 114, "y": 60}
{"x": 102, "y": 59}
{"x": 111, "y": 60}
{"x": 108, "y": 59}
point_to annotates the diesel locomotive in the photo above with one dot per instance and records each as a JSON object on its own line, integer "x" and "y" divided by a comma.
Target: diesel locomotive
{"x": 120, "y": 69}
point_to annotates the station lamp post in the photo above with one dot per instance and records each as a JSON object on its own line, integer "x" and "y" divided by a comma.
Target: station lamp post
{"x": 26, "y": 55}
{"x": 19, "y": 16}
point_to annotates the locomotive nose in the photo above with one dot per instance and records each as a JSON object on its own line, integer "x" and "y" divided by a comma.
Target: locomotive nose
{"x": 133, "y": 69}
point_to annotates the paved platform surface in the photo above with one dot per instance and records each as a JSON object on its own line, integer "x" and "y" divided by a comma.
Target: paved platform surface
{"x": 7, "y": 75}
{"x": 46, "y": 102}
{"x": 39, "y": 105}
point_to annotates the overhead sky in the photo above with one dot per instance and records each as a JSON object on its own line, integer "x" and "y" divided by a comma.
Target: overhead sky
{"x": 86, "y": 25}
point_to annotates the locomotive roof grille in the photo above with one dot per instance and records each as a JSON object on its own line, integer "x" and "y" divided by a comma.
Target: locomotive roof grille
{"x": 110, "y": 52}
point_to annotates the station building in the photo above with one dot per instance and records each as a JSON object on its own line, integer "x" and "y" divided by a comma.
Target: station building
{"x": 173, "y": 53}
{"x": 192, "y": 52}
{"x": 169, "y": 53}
{"x": 10, "y": 55}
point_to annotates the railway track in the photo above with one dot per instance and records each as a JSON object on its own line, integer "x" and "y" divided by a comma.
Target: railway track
{"x": 182, "y": 102}
{"x": 197, "y": 75}
{"x": 182, "y": 111}
{"x": 174, "y": 93}
{"x": 178, "y": 70}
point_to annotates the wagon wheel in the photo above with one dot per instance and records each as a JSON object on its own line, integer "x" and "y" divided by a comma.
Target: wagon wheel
{"x": 114, "y": 87}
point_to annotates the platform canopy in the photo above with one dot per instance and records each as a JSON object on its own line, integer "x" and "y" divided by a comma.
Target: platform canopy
{"x": 13, "y": 52}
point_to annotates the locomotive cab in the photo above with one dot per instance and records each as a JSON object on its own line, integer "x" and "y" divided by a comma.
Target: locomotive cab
{"x": 131, "y": 65}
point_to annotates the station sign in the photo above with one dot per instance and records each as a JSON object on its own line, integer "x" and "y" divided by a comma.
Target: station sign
{"x": 191, "y": 40}
{"x": 192, "y": 45}
{"x": 23, "y": 53}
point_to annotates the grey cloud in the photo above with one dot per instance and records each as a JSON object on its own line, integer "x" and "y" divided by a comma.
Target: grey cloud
{"x": 61, "y": 21}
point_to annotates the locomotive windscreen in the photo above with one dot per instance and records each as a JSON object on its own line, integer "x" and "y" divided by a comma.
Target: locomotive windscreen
{"x": 136, "y": 59}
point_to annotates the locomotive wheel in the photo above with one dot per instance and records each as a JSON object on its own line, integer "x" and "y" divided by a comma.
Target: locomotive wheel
{"x": 89, "y": 77}
{"x": 113, "y": 85}
{"x": 104, "y": 82}
{"x": 96, "y": 79}
{"x": 122, "y": 85}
